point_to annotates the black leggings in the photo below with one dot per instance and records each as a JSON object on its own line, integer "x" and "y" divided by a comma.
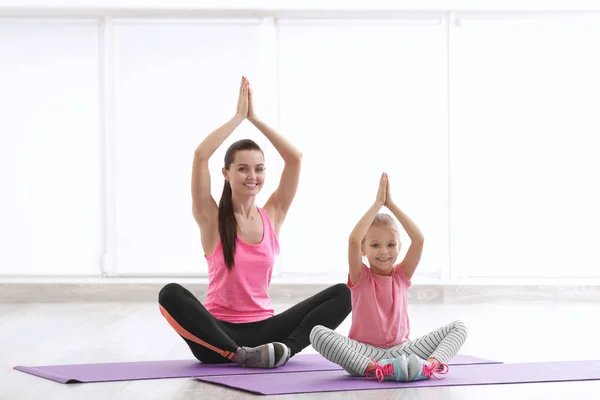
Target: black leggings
{"x": 213, "y": 341}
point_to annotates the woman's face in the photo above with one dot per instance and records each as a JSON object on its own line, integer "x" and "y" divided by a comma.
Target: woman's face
{"x": 246, "y": 174}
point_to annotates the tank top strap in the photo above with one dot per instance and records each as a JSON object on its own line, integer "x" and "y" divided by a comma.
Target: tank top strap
{"x": 269, "y": 231}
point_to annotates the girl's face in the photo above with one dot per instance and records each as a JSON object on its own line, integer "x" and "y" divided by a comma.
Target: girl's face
{"x": 381, "y": 247}
{"x": 246, "y": 173}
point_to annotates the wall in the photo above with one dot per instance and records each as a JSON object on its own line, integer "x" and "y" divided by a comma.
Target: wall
{"x": 485, "y": 123}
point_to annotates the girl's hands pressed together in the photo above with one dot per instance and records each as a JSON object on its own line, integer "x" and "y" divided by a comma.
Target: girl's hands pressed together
{"x": 382, "y": 191}
{"x": 388, "y": 196}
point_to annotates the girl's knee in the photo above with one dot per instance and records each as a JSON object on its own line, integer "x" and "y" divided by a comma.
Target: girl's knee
{"x": 461, "y": 327}
{"x": 316, "y": 332}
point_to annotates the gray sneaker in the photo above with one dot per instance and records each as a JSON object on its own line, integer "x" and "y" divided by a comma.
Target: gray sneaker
{"x": 270, "y": 355}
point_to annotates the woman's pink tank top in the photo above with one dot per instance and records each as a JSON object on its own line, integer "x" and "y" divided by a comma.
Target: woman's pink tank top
{"x": 242, "y": 294}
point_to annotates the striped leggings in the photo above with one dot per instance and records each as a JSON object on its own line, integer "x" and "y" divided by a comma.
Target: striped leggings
{"x": 441, "y": 344}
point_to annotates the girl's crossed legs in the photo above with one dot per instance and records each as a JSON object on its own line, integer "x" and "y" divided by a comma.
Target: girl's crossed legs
{"x": 355, "y": 357}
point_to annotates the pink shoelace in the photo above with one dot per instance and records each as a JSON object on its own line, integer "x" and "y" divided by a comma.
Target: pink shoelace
{"x": 435, "y": 368}
{"x": 380, "y": 371}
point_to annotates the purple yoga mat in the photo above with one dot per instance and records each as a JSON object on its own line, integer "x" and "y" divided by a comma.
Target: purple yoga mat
{"x": 129, "y": 371}
{"x": 464, "y": 375}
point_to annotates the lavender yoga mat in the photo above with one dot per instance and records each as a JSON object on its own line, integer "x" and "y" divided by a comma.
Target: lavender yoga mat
{"x": 129, "y": 371}
{"x": 464, "y": 375}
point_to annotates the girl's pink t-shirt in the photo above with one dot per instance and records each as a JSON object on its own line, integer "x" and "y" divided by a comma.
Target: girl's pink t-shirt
{"x": 379, "y": 308}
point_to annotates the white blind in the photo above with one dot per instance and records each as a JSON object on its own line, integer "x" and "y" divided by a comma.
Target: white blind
{"x": 524, "y": 147}
{"x": 175, "y": 82}
{"x": 50, "y": 206}
{"x": 359, "y": 98}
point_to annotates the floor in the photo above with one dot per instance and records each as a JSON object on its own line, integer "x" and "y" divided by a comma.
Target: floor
{"x": 70, "y": 333}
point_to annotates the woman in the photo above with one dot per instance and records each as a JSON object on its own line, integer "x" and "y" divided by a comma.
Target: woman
{"x": 240, "y": 243}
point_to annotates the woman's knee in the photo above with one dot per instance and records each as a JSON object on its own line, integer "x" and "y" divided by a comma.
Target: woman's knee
{"x": 342, "y": 291}
{"x": 168, "y": 293}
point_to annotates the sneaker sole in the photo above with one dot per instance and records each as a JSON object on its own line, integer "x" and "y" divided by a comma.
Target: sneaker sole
{"x": 284, "y": 356}
{"x": 271, "y": 348}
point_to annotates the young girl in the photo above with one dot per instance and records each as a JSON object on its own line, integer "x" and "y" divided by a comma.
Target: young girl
{"x": 378, "y": 344}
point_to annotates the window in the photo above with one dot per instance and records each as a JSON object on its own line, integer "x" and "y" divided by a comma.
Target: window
{"x": 524, "y": 147}
{"x": 51, "y": 206}
{"x": 175, "y": 82}
{"x": 360, "y": 98}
